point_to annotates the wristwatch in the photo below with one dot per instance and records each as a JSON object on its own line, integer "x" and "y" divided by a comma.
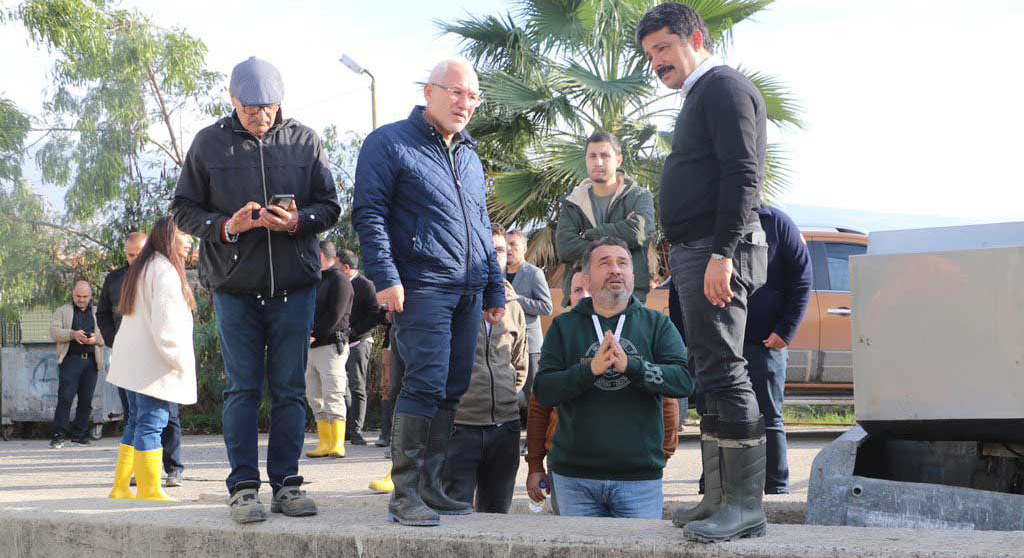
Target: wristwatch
{"x": 718, "y": 257}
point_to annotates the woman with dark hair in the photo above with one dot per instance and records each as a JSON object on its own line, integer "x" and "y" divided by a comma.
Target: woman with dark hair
{"x": 155, "y": 361}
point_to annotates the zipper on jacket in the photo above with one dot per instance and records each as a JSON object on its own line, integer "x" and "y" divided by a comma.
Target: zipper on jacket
{"x": 487, "y": 354}
{"x": 270, "y": 249}
{"x": 462, "y": 202}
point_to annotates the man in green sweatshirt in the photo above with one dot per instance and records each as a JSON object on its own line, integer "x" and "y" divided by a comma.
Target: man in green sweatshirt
{"x": 606, "y": 365}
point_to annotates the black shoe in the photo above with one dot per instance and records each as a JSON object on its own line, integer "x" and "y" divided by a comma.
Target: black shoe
{"x": 431, "y": 489}
{"x": 57, "y": 442}
{"x": 81, "y": 441}
{"x": 381, "y": 443}
{"x": 357, "y": 439}
{"x": 409, "y": 442}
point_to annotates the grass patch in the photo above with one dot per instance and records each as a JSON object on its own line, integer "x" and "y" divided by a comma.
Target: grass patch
{"x": 831, "y": 415}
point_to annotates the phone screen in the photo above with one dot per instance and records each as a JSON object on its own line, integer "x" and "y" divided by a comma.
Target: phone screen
{"x": 282, "y": 200}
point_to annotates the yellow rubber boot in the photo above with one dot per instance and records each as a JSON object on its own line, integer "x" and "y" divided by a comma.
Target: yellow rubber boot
{"x": 323, "y": 430}
{"x": 383, "y": 485}
{"x": 337, "y": 448}
{"x": 148, "y": 465}
{"x": 123, "y": 474}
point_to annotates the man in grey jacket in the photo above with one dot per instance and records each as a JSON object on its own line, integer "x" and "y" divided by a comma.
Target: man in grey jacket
{"x": 534, "y": 298}
{"x": 483, "y": 457}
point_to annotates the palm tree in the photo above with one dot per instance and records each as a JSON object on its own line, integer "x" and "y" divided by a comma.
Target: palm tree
{"x": 553, "y": 71}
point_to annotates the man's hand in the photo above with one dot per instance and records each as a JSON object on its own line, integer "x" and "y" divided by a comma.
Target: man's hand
{"x": 277, "y": 219}
{"x": 392, "y": 298}
{"x": 242, "y": 220}
{"x": 604, "y": 359}
{"x": 493, "y": 316}
{"x": 716, "y": 282}
{"x": 312, "y": 340}
{"x": 80, "y": 337}
{"x": 533, "y": 488}
{"x": 775, "y": 342}
{"x": 619, "y": 359}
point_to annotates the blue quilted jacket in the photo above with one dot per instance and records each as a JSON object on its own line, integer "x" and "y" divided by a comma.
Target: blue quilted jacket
{"x": 420, "y": 221}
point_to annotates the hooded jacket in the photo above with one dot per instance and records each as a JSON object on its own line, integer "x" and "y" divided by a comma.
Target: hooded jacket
{"x": 499, "y": 369}
{"x": 610, "y": 427}
{"x": 422, "y": 220}
{"x": 630, "y": 217}
{"x": 226, "y": 168}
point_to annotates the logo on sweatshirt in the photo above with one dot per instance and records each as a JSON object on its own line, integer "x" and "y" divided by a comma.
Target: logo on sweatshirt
{"x": 612, "y": 381}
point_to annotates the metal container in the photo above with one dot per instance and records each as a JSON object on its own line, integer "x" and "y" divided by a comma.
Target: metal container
{"x": 29, "y": 389}
{"x": 938, "y": 333}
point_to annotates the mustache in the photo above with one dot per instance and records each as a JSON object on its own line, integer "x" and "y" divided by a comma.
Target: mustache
{"x": 665, "y": 69}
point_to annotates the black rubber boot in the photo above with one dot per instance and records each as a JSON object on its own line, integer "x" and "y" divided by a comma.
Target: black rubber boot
{"x": 712, "y": 478}
{"x": 743, "y": 471}
{"x": 431, "y": 489}
{"x": 408, "y": 446}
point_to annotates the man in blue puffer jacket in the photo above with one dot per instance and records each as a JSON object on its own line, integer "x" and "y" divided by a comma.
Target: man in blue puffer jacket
{"x": 421, "y": 213}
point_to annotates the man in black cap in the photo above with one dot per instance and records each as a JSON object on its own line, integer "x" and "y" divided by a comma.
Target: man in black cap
{"x": 257, "y": 189}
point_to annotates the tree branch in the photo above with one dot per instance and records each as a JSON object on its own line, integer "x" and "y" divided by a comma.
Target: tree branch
{"x": 176, "y": 157}
{"x": 60, "y": 228}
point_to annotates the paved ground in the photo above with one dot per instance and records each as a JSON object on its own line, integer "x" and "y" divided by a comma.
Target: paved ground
{"x": 33, "y": 472}
{"x": 53, "y": 503}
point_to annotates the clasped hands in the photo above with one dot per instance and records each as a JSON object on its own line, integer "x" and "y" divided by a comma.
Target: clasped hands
{"x": 609, "y": 356}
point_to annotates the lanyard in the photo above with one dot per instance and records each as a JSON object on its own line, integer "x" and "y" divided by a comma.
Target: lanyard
{"x": 618, "y": 327}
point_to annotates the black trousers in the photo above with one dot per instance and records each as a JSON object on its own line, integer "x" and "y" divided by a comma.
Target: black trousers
{"x": 714, "y": 336}
{"x": 485, "y": 460}
{"x": 357, "y": 365}
{"x": 76, "y": 378}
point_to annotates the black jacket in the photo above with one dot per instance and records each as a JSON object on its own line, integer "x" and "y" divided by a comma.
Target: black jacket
{"x": 226, "y": 168}
{"x": 711, "y": 184}
{"x": 366, "y": 313}
{"x": 333, "y": 308}
{"x": 108, "y": 319}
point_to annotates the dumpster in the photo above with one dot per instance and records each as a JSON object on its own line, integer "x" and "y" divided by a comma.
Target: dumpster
{"x": 28, "y": 389}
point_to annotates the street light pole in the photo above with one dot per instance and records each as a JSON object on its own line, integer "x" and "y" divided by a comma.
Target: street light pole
{"x": 352, "y": 65}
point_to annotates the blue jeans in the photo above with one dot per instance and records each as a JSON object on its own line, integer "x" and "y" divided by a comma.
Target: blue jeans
{"x": 436, "y": 335}
{"x": 147, "y": 418}
{"x": 767, "y": 370}
{"x": 608, "y": 498}
{"x": 264, "y": 340}
{"x": 170, "y": 438}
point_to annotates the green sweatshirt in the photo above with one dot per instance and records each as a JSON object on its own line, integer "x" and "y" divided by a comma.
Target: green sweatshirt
{"x": 610, "y": 427}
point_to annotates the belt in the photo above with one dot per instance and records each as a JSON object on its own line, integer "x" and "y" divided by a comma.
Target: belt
{"x": 85, "y": 355}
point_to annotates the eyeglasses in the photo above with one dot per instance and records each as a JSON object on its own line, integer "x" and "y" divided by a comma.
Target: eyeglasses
{"x": 253, "y": 111}
{"x": 456, "y": 93}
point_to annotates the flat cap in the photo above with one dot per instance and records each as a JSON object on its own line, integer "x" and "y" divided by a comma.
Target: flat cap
{"x": 256, "y": 83}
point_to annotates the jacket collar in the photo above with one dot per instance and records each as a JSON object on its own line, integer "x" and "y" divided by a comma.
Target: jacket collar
{"x": 231, "y": 122}
{"x": 421, "y": 124}
{"x": 580, "y": 195}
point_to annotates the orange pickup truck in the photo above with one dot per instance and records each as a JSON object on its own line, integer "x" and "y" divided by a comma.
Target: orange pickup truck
{"x": 820, "y": 358}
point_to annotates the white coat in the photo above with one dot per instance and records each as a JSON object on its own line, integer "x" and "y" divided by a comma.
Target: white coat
{"x": 154, "y": 354}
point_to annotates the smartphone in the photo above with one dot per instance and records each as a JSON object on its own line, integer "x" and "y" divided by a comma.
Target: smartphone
{"x": 255, "y": 214}
{"x": 282, "y": 200}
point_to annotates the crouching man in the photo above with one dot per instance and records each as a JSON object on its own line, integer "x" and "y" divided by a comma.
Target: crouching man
{"x": 606, "y": 365}
{"x": 483, "y": 457}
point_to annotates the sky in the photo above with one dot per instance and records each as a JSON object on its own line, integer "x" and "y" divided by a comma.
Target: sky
{"x": 910, "y": 106}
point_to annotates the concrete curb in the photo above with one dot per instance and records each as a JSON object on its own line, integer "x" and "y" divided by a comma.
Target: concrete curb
{"x": 96, "y": 528}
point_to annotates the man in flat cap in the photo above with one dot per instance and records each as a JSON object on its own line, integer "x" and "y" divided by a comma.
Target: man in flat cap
{"x": 257, "y": 190}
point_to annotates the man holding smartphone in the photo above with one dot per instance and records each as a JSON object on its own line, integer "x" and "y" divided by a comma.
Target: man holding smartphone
{"x": 79, "y": 357}
{"x": 256, "y": 188}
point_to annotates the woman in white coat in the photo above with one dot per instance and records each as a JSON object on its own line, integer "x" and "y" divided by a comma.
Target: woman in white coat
{"x": 154, "y": 360}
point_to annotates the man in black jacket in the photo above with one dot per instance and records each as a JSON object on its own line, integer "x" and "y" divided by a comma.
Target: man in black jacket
{"x": 326, "y": 378}
{"x": 366, "y": 314}
{"x": 260, "y": 258}
{"x": 710, "y": 192}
